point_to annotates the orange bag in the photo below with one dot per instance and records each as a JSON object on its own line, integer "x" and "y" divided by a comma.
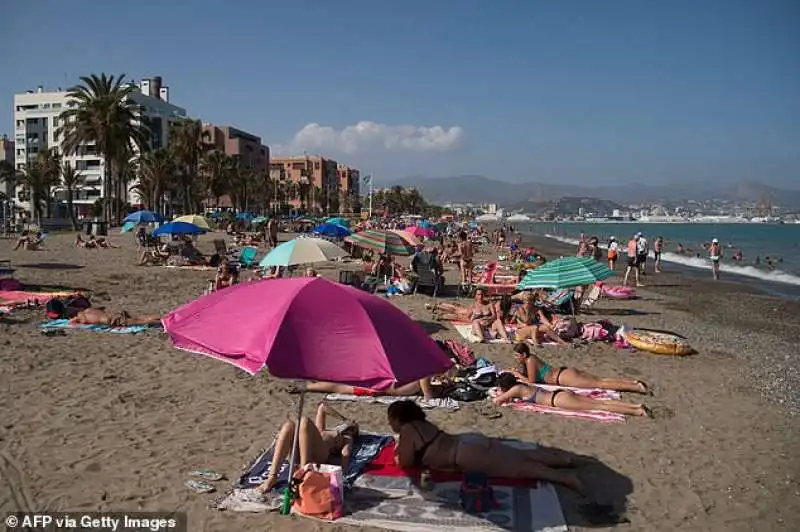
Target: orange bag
{"x": 319, "y": 491}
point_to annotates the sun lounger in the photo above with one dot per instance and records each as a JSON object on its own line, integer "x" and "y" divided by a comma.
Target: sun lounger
{"x": 426, "y": 276}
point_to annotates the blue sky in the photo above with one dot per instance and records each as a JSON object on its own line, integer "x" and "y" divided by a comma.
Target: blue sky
{"x": 572, "y": 91}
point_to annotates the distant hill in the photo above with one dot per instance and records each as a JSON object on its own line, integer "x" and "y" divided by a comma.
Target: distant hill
{"x": 477, "y": 189}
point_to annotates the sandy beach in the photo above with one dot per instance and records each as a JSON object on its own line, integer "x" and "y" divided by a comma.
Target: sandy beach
{"x": 104, "y": 422}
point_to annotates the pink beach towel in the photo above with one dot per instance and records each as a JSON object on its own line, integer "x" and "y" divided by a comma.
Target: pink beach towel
{"x": 597, "y": 415}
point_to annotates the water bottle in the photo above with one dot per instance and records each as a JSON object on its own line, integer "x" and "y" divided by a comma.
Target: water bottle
{"x": 425, "y": 482}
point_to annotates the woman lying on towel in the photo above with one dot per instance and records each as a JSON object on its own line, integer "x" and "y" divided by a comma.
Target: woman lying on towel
{"x": 533, "y": 370}
{"x": 420, "y": 443}
{"x": 56, "y": 309}
{"x": 513, "y": 389}
{"x": 316, "y": 443}
{"x": 423, "y": 387}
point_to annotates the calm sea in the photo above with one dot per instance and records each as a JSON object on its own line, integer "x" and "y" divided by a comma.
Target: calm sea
{"x": 781, "y": 243}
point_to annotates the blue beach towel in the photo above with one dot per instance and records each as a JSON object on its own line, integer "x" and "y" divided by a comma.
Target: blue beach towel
{"x": 65, "y": 324}
{"x": 366, "y": 448}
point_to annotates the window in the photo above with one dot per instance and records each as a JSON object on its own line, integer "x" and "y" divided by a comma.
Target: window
{"x": 33, "y": 121}
{"x": 45, "y": 106}
{"x": 20, "y": 123}
{"x": 56, "y": 106}
{"x": 316, "y": 166}
{"x": 55, "y": 121}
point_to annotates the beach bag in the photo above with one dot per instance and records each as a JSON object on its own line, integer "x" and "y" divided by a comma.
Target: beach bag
{"x": 319, "y": 491}
{"x": 567, "y": 328}
{"x": 464, "y": 393}
{"x": 476, "y": 495}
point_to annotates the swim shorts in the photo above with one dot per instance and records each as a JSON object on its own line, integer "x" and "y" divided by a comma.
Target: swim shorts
{"x": 364, "y": 392}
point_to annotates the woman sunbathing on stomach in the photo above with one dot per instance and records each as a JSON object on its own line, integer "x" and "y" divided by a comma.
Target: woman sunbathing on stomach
{"x": 316, "y": 444}
{"x": 420, "y": 443}
{"x": 422, "y": 387}
{"x": 96, "y": 316}
{"x": 512, "y": 389}
{"x": 533, "y": 370}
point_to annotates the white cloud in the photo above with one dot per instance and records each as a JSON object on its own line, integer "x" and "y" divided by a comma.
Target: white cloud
{"x": 368, "y": 136}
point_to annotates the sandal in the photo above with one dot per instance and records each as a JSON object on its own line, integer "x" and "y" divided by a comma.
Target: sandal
{"x": 199, "y": 486}
{"x": 206, "y": 474}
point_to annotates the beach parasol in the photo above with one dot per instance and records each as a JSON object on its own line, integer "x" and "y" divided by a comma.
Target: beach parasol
{"x": 127, "y": 227}
{"x": 312, "y": 329}
{"x": 178, "y": 228}
{"x": 260, "y": 220}
{"x": 381, "y": 242}
{"x": 425, "y": 224}
{"x": 143, "y": 217}
{"x": 519, "y": 218}
{"x": 410, "y": 239}
{"x": 338, "y": 220}
{"x": 302, "y": 251}
{"x": 244, "y": 216}
{"x": 566, "y": 272}
{"x": 421, "y": 232}
{"x": 331, "y": 230}
{"x": 194, "y": 219}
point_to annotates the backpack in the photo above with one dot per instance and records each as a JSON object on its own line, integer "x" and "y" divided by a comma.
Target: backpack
{"x": 476, "y": 495}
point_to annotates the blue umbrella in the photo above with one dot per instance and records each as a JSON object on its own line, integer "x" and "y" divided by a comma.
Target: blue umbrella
{"x": 143, "y": 217}
{"x": 244, "y": 216}
{"x": 178, "y": 228}
{"x": 338, "y": 220}
{"x": 332, "y": 230}
{"x": 425, "y": 224}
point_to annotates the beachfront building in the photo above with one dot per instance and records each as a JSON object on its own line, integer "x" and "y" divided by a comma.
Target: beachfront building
{"x": 245, "y": 147}
{"x": 311, "y": 182}
{"x": 36, "y": 119}
{"x": 349, "y": 188}
{"x": 7, "y": 158}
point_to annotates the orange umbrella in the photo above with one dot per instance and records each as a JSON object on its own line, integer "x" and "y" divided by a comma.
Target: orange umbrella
{"x": 408, "y": 237}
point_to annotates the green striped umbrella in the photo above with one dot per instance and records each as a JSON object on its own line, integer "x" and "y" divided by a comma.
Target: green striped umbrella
{"x": 381, "y": 242}
{"x": 566, "y": 272}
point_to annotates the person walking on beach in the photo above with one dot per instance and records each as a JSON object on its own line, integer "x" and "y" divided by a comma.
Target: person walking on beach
{"x": 658, "y": 247}
{"x": 715, "y": 254}
{"x": 642, "y": 249}
{"x": 633, "y": 261}
{"x": 613, "y": 252}
{"x": 465, "y": 253}
{"x": 272, "y": 232}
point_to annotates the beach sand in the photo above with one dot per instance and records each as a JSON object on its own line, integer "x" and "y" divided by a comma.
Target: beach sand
{"x": 103, "y": 422}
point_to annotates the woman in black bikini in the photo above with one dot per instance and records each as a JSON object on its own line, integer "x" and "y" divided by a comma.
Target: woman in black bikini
{"x": 533, "y": 370}
{"x": 420, "y": 443}
{"x": 512, "y": 389}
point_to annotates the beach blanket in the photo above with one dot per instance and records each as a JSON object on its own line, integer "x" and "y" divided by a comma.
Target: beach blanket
{"x": 386, "y": 496}
{"x": 366, "y": 448}
{"x": 597, "y": 415}
{"x": 65, "y": 324}
{"x": 450, "y": 404}
{"x": 196, "y": 267}
{"x": 21, "y": 297}
{"x": 465, "y": 330}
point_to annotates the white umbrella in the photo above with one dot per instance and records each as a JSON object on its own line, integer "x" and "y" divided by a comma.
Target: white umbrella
{"x": 487, "y": 218}
{"x": 519, "y": 218}
{"x": 302, "y": 251}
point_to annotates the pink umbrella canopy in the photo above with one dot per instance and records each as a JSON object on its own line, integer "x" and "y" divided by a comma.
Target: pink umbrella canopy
{"x": 408, "y": 237}
{"x": 421, "y": 232}
{"x": 308, "y": 328}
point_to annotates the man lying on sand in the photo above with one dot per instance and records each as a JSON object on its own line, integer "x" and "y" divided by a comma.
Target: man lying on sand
{"x": 56, "y": 309}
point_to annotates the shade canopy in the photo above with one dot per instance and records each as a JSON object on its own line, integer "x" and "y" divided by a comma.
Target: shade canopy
{"x": 566, "y": 272}
{"x": 178, "y": 228}
{"x": 421, "y": 232}
{"x": 519, "y": 218}
{"x": 194, "y": 219}
{"x": 143, "y": 217}
{"x": 308, "y": 328}
{"x": 331, "y": 230}
{"x": 338, "y": 220}
{"x": 381, "y": 242}
{"x": 407, "y": 237}
{"x": 302, "y": 251}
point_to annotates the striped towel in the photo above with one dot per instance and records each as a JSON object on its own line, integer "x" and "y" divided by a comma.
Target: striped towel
{"x": 446, "y": 403}
{"x": 597, "y": 415}
{"x": 65, "y": 324}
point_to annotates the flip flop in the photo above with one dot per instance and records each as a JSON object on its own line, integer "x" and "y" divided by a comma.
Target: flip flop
{"x": 198, "y": 486}
{"x": 206, "y": 474}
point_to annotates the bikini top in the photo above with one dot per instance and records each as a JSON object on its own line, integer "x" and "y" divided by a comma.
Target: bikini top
{"x": 419, "y": 454}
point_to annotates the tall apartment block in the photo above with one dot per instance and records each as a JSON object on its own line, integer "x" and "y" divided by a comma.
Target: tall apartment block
{"x": 36, "y": 119}
{"x": 314, "y": 171}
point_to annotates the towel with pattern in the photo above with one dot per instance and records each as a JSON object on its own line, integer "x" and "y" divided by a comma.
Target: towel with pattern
{"x": 597, "y": 415}
{"x": 65, "y": 324}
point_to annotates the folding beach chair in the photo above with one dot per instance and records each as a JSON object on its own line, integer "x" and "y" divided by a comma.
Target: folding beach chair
{"x": 247, "y": 257}
{"x": 591, "y": 298}
{"x": 426, "y": 276}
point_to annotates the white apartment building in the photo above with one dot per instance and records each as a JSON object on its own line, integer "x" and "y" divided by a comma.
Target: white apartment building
{"x": 36, "y": 119}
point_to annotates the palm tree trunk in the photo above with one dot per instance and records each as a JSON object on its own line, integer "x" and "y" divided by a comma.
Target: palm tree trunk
{"x": 71, "y": 210}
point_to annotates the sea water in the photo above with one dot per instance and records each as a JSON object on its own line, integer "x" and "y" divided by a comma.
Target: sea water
{"x": 779, "y": 242}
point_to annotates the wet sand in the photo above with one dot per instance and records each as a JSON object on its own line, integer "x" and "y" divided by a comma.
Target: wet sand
{"x": 96, "y": 421}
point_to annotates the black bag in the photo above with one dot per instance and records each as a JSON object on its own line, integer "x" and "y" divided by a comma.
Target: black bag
{"x": 476, "y": 495}
{"x": 486, "y": 380}
{"x": 465, "y": 393}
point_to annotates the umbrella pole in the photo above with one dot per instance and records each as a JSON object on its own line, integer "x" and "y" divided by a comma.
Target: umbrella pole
{"x": 287, "y": 494}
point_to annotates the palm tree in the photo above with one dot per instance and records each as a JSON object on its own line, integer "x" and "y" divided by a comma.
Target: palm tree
{"x": 69, "y": 179}
{"x": 186, "y": 145}
{"x": 38, "y": 178}
{"x": 7, "y": 178}
{"x": 101, "y": 112}
{"x": 156, "y": 170}
{"x": 216, "y": 169}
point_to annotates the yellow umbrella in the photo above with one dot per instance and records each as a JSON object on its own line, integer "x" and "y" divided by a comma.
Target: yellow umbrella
{"x": 199, "y": 221}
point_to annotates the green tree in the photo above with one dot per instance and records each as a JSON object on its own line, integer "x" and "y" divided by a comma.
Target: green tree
{"x": 186, "y": 144}
{"x": 216, "y": 170}
{"x": 155, "y": 173}
{"x": 7, "y": 178}
{"x": 69, "y": 180}
{"x": 38, "y": 178}
{"x": 101, "y": 112}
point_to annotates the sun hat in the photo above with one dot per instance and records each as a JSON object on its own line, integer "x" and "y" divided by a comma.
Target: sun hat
{"x": 714, "y": 241}
{"x": 613, "y": 238}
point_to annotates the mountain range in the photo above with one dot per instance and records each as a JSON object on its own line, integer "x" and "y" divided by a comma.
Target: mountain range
{"x": 481, "y": 189}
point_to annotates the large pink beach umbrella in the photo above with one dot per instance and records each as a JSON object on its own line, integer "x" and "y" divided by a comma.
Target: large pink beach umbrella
{"x": 308, "y": 328}
{"x": 421, "y": 232}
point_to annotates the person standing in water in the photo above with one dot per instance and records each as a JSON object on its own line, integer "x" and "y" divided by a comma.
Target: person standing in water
{"x": 613, "y": 252}
{"x": 658, "y": 247}
{"x": 715, "y": 254}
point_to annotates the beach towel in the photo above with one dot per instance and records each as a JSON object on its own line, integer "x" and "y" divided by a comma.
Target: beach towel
{"x": 241, "y": 499}
{"x": 447, "y": 403}
{"x": 195, "y": 267}
{"x": 386, "y": 496}
{"x": 21, "y": 297}
{"x": 65, "y": 324}
{"x": 465, "y": 330}
{"x": 597, "y": 415}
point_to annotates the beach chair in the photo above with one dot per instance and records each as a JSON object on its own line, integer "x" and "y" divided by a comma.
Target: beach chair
{"x": 559, "y": 301}
{"x": 426, "y": 276}
{"x": 247, "y": 257}
{"x": 591, "y": 298}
